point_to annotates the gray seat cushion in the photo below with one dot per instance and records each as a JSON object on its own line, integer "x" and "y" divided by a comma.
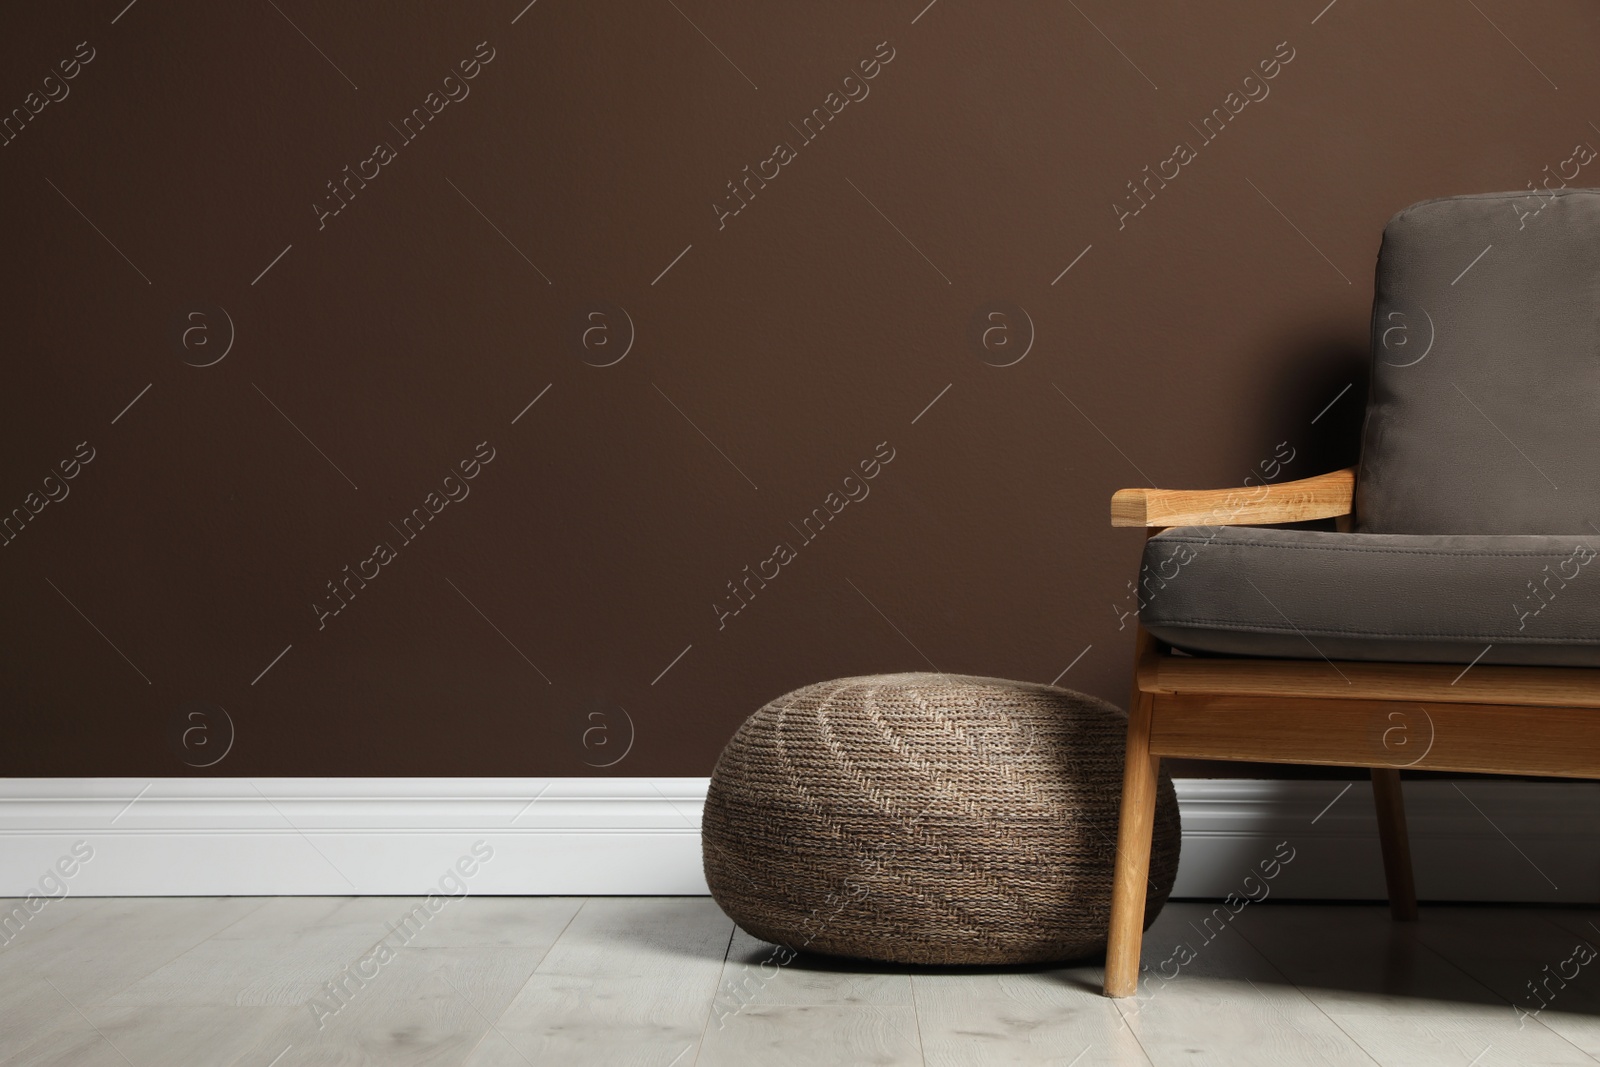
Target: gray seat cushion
{"x": 1299, "y": 594}
{"x": 1485, "y": 377}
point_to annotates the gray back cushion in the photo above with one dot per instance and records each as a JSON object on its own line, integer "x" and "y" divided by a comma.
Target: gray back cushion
{"x": 1484, "y": 415}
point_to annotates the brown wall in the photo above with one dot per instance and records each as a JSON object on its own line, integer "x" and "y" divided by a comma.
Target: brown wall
{"x": 777, "y": 353}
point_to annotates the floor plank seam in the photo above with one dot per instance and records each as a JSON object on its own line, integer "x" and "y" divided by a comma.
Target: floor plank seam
{"x": 1127, "y": 1023}
{"x": 716, "y": 991}
{"x": 1315, "y": 1007}
{"x": 916, "y": 1020}
{"x": 203, "y": 941}
{"x": 1545, "y": 918}
{"x": 1538, "y": 1018}
{"x": 557, "y": 939}
{"x": 1309, "y": 999}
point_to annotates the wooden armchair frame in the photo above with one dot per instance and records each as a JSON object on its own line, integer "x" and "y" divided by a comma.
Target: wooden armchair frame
{"x": 1382, "y": 716}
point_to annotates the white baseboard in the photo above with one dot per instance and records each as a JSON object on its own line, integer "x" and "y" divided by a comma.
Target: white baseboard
{"x": 1475, "y": 840}
{"x": 1483, "y": 841}
{"x": 342, "y": 836}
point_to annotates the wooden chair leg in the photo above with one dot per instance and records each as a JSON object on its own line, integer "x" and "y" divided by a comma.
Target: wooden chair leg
{"x": 1396, "y": 843}
{"x": 1139, "y": 776}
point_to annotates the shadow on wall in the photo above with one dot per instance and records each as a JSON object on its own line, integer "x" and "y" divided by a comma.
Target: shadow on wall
{"x": 1320, "y": 401}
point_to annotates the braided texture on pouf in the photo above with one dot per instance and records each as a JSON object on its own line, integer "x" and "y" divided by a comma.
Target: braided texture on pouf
{"x": 927, "y": 819}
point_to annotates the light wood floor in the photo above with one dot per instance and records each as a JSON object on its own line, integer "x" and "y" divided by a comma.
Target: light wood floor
{"x": 633, "y": 981}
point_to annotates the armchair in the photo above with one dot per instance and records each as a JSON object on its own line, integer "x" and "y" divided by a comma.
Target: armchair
{"x": 1451, "y": 625}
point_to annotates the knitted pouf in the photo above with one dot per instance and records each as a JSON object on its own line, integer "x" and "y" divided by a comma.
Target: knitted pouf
{"x": 927, "y": 819}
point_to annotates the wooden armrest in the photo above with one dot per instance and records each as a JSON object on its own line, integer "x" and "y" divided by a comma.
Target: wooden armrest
{"x": 1321, "y": 497}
